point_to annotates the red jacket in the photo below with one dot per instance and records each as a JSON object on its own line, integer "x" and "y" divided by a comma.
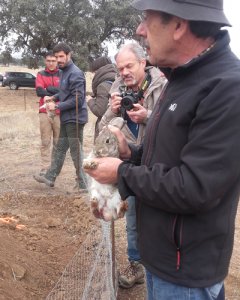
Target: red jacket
{"x": 47, "y": 79}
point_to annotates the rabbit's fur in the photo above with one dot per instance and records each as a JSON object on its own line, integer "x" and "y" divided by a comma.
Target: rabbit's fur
{"x": 105, "y": 198}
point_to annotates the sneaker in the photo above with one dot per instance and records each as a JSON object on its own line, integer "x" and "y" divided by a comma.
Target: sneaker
{"x": 133, "y": 274}
{"x": 43, "y": 179}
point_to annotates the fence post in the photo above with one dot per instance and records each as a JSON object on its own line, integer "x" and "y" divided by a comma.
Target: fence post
{"x": 113, "y": 258}
{"x": 77, "y": 141}
{"x": 24, "y": 97}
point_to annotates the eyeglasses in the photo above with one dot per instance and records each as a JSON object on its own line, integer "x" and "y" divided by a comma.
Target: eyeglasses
{"x": 142, "y": 17}
{"x": 51, "y": 61}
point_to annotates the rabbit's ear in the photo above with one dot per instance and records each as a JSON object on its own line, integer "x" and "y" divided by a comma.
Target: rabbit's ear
{"x": 118, "y": 122}
{"x": 107, "y": 127}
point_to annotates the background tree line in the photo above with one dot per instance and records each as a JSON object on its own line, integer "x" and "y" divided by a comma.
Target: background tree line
{"x": 34, "y": 26}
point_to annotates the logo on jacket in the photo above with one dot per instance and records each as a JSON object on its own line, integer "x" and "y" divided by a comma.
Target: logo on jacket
{"x": 172, "y": 107}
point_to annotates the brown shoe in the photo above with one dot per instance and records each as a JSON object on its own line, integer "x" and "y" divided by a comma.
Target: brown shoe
{"x": 133, "y": 274}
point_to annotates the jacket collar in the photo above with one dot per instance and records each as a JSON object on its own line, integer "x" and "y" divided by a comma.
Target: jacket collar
{"x": 51, "y": 71}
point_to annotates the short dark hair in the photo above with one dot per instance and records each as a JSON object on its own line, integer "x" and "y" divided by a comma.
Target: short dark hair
{"x": 165, "y": 17}
{"x": 62, "y": 47}
{"x": 49, "y": 53}
{"x": 98, "y": 63}
{"x": 204, "y": 29}
{"x": 201, "y": 29}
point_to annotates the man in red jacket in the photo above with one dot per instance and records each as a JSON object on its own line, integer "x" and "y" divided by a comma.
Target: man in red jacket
{"x": 47, "y": 82}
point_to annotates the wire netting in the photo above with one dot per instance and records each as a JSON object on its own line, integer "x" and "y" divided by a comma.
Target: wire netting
{"x": 89, "y": 275}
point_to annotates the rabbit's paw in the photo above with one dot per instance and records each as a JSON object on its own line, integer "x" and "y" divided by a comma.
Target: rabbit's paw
{"x": 89, "y": 164}
{"x": 95, "y": 209}
{"x": 123, "y": 207}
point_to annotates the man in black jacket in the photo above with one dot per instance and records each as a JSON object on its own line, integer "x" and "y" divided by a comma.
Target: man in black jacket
{"x": 72, "y": 95}
{"x": 186, "y": 175}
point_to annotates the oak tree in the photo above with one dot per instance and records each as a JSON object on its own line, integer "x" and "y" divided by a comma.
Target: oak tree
{"x": 35, "y": 26}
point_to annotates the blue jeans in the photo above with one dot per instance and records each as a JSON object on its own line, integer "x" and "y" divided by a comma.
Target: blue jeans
{"x": 159, "y": 289}
{"x": 132, "y": 250}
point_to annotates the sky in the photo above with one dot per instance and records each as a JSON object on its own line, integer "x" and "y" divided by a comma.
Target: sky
{"x": 232, "y": 8}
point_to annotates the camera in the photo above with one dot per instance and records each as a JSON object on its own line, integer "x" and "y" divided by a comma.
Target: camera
{"x": 128, "y": 99}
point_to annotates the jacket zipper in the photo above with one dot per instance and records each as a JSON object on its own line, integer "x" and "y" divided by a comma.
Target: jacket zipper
{"x": 178, "y": 258}
{"x": 177, "y": 239}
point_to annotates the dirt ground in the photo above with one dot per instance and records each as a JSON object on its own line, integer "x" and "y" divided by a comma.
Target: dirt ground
{"x": 41, "y": 228}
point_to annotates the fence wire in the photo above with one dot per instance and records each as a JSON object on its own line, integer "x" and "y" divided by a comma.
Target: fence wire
{"x": 89, "y": 273}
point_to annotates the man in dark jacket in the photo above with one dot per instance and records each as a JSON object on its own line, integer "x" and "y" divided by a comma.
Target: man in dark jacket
{"x": 186, "y": 175}
{"x": 47, "y": 82}
{"x": 73, "y": 116}
{"x": 104, "y": 74}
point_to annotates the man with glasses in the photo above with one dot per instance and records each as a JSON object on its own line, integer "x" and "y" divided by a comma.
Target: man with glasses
{"x": 186, "y": 175}
{"x": 135, "y": 77}
{"x": 47, "y": 82}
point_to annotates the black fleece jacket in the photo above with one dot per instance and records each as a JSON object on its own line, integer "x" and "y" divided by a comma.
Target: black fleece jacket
{"x": 187, "y": 176}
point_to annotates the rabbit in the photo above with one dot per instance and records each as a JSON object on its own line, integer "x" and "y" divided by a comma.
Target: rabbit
{"x": 51, "y": 113}
{"x": 105, "y": 200}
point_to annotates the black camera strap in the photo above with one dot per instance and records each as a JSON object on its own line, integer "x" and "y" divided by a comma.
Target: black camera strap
{"x": 144, "y": 86}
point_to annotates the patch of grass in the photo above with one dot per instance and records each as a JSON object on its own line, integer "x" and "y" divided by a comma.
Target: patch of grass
{"x": 18, "y": 125}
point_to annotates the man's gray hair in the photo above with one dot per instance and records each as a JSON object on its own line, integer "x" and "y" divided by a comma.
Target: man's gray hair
{"x": 135, "y": 48}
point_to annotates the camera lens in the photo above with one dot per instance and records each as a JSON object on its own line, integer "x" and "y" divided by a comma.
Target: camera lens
{"x": 127, "y": 102}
